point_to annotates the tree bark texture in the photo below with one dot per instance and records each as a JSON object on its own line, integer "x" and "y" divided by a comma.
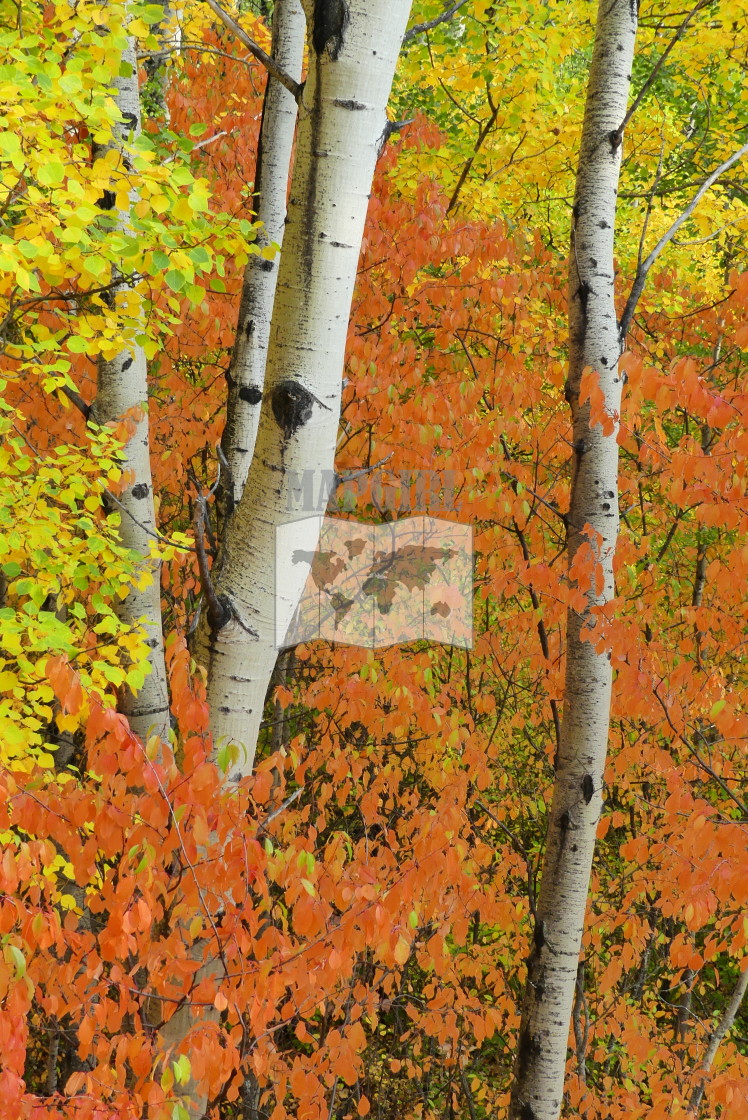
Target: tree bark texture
{"x": 592, "y": 526}
{"x": 246, "y": 376}
{"x": 716, "y": 1038}
{"x": 122, "y": 385}
{"x": 353, "y": 49}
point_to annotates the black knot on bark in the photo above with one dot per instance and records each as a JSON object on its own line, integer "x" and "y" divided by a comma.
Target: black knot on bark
{"x": 140, "y": 490}
{"x": 292, "y": 406}
{"x": 251, "y": 394}
{"x": 330, "y": 22}
{"x": 219, "y": 613}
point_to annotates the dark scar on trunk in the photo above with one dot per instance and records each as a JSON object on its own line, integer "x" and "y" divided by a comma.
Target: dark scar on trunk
{"x": 292, "y": 406}
{"x": 251, "y": 394}
{"x": 330, "y": 22}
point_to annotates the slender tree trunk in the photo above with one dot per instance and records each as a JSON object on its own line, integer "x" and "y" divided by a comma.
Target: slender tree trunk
{"x": 715, "y": 1040}
{"x": 593, "y": 527}
{"x": 246, "y": 376}
{"x": 122, "y": 385}
{"x": 353, "y": 48}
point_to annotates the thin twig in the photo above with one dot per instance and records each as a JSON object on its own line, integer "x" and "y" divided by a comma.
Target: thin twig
{"x": 272, "y": 67}
{"x": 151, "y": 533}
{"x": 520, "y": 852}
{"x": 201, "y": 144}
{"x": 699, "y": 760}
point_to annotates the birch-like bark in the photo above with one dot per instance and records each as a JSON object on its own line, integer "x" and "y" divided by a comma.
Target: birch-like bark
{"x": 246, "y": 375}
{"x": 715, "y": 1040}
{"x": 353, "y": 49}
{"x": 594, "y": 342}
{"x": 122, "y": 385}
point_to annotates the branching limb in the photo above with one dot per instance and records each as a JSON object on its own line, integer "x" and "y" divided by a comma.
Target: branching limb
{"x": 656, "y": 69}
{"x": 216, "y": 609}
{"x": 295, "y": 88}
{"x": 716, "y": 1037}
{"x": 420, "y": 28}
{"x": 643, "y": 270}
{"x": 110, "y": 497}
{"x": 77, "y": 400}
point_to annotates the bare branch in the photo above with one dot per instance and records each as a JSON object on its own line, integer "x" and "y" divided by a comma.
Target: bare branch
{"x": 276, "y": 812}
{"x": 716, "y": 1037}
{"x": 272, "y": 67}
{"x": 420, "y": 28}
{"x": 217, "y": 610}
{"x": 656, "y": 69}
{"x": 77, "y": 400}
{"x": 521, "y": 852}
{"x": 110, "y": 497}
{"x": 641, "y": 273}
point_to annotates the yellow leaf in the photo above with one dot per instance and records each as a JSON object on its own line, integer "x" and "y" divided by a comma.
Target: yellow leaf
{"x": 402, "y": 950}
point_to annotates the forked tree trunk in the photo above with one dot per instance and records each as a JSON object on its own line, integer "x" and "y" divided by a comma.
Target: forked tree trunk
{"x": 246, "y": 376}
{"x": 122, "y": 385}
{"x": 592, "y": 524}
{"x": 353, "y": 48}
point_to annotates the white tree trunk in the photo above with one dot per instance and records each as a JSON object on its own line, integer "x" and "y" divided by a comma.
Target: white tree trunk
{"x": 577, "y": 801}
{"x": 353, "y": 48}
{"x": 246, "y": 375}
{"x": 122, "y": 385}
{"x": 724, "y": 1025}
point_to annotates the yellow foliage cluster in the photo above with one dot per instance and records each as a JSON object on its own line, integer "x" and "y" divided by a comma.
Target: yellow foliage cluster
{"x": 66, "y": 175}
{"x": 506, "y": 84}
{"x": 62, "y": 568}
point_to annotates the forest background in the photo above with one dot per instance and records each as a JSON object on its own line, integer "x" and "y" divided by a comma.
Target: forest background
{"x": 378, "y": 868}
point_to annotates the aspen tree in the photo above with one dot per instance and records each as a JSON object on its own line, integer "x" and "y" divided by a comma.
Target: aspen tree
{"x": 122, "y": 388}
{"x": 592, "y": 524}
{"x": 246, "y": 375}
{"x": 353, "y": 49}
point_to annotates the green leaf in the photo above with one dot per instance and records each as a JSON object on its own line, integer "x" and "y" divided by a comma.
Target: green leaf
{"x": 182, "y": 1069}
{"x": 175, "y": 279}
{"x": 17, "y": 958}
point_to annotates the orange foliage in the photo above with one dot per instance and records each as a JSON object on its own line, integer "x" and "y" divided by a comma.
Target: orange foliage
{"x": 372, "y": 930}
